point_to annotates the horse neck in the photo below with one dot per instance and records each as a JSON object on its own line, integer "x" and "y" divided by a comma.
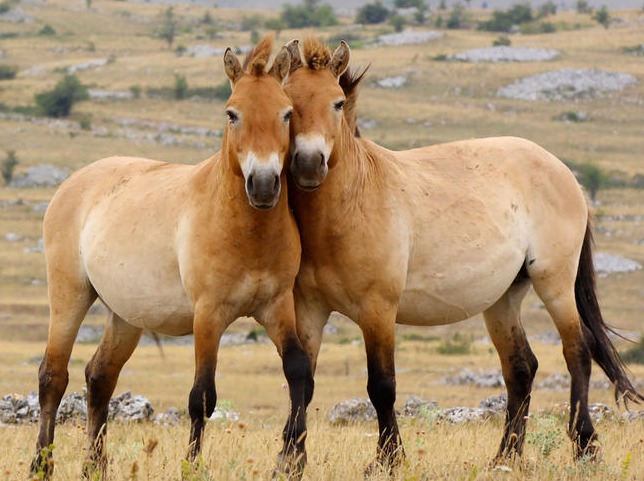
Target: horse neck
{"x": 356, "y": 172}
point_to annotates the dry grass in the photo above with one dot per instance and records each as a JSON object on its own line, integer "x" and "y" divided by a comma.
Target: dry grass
{"x": 446, "y": 101}
{"x": 249, "y": 378}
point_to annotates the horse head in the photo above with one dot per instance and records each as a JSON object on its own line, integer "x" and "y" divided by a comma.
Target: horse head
{"x": 256, "y": 138}
{"x": 318, "y": 105}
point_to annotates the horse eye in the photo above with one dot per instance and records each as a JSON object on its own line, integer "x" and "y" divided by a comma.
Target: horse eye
{"x": 232, "y": 116}
{"x": 338, "y": 105}
{"x": 287, "y": 116}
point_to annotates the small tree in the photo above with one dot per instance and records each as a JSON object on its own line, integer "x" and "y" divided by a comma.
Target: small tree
{"x": 456, "y": 18}
{"x": 9, "y": 165}
{"x": 308, "y": 15}
{"x": 180, "y": 86}
{"x": 583, "y": 7}
{"x": 602, "y": 16}
{"x": 372, "y": 13}
{"x": 168, "y": 30}
{"x": 593, "y": 178}
{"x": 398, "y": 22}
{"x": 59, "y": 101}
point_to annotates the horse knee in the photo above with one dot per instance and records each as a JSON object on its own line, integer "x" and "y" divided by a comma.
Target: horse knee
{"x": 382, "y": 392}
{"x": 52, "y": 379}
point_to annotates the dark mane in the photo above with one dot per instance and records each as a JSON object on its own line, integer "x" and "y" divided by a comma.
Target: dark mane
{"x": 349, "y": 82}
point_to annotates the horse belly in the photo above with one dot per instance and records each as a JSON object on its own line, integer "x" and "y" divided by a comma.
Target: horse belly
{"x": 139, "y": 280}
{"x": 452, "y": 291}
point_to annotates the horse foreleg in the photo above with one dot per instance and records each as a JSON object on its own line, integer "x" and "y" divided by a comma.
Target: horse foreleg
{"x": 68, "y": 306}
{"x": 279, "y": 321}
{"x": 378, "y": 330}
{"x": 101, "y": 374}
{"x": 518, "y": 363}
{"x": 209, "y": 326}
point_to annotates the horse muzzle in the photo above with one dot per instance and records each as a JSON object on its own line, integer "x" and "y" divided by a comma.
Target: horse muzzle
{"x": 263, "y": 189}
{"x": 309, "y": 169}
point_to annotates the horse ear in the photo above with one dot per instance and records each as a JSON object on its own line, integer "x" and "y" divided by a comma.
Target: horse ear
{"x": 280, "y": 68}
{"x": 340, "y": 60}
{"x": 232, "y": 66}
{"x": 293, "y": 48}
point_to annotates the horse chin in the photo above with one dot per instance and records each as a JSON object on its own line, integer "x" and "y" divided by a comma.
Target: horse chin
{"x": 308, "y": 188}
{"x": 308, "y": 185}
{"x": 262, "y": 205}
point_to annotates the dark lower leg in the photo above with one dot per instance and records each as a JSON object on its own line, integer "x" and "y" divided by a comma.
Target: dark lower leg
{"x": 297, "y": 370}
{"x": 519, "y": 374}
{"x": 381, "y": 387}
{"x": 580, "y": 427}
{"x": 53, "y": 378}
{"x": 201, "y": 405}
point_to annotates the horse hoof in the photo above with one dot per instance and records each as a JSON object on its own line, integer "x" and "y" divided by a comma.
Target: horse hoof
{"x": 592, "y": 453}
{"x": 290, "y": 467}
{"x": 42, "y": 467}
{"x": 94, "y": 469}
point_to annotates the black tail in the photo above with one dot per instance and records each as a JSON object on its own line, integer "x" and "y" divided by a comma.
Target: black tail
{"x": 603, "y": 350}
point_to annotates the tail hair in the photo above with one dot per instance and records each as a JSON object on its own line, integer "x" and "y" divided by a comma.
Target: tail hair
{"x": 603, "y": 351}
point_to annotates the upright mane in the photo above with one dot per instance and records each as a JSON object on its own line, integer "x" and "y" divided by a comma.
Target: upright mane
{"x": 316, "y": 54}
{"x": 257, "y": 59}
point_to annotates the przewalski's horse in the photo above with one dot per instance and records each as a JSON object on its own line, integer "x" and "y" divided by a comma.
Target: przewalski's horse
{"x": 433, "y": 236}
{"x": 180, "y": 249}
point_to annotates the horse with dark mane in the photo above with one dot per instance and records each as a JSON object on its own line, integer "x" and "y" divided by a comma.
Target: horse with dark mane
{"x": 179, "y": 249}
{"x": 433, "y": 236}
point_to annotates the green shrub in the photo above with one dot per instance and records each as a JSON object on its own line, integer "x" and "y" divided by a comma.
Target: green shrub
{"x": 59, "y": 101}
{"x": 398, "y": 22}
{"x": 9, "y": 165}
{"x": 602, "y": 17}
{"x": 548, "y": 435}
{"x": 504, "y": 20}
{"x": 5, "y": 6}
{"x": 583, "y": 7}
{"x": 8, "y": 72}
{"x": 135, "y": 90}
{"x": 456, "y": 18}
{"x": 85, "y": 122}
{"x": 458, "y": 344}
{"x": 372, "y": 13}
{"x": 47, "y": 31}
{"x": 308, "y": 15}
{"x": 637, "y": 50}
{"x": 502, "y": 41}
{"x": 593, "y": 178}
{"x": 180, "y": 87}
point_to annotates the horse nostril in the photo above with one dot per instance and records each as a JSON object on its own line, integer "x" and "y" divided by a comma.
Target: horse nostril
{"x": 276, "y": 183}
{"x": 321, "y": 160}
{"x": 249, "y": 183}
{"x": 297, "y": 154}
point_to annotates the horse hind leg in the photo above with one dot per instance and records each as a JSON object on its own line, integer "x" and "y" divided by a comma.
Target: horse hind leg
{"x": 101, "y": 374}
{"x": 69, "y": 299}
{"x": 518, "y": 363}
{"x": 554, "y": 284}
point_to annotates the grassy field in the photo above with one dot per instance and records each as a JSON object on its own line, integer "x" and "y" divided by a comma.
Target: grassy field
{"x": 443, "y": 101}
